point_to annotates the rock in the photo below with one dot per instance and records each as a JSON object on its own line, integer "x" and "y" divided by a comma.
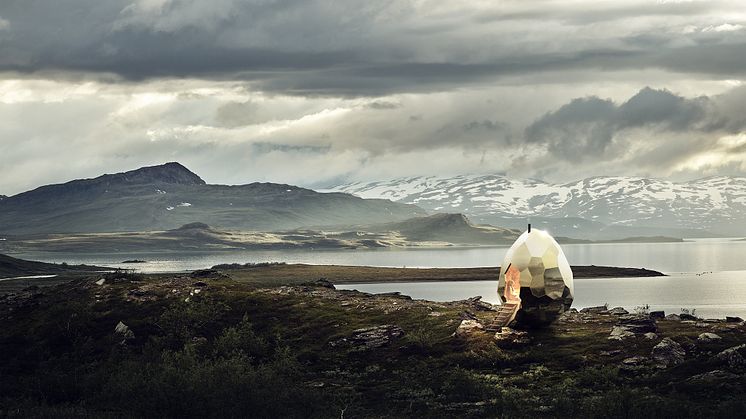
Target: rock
{"x": 651, "y": 336}
{"x": 595, "y": 310}
{"x": 199, "y": 284}
{"x": 732, "y": 356}
{"x": 687, "y": 316}
{"x": 708, "y": 337}
{"x": 620, "y": 333}
{"x": 674, "y": 317}
{"x": 668, "y": 353}
{"x": 619, "y": 311}
{"x": 371, "y": 337}
{"x": 658, "y": 314}
{"x": 467, "y": 315}
{"x": 480, "y": 305}
{"x": 733, "y": 319}
{"x": 638, "y": 323}
{"x": 124, "y": 331}
{"x": 468, "y": 327}
{"x": 701, "y": 324}
{"x": 101, "y": 281}
{"x": 510, "y": 337}
{"x": 613, "y": 352}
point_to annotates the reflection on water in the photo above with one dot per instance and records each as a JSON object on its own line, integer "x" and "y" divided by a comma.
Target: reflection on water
{"x": 712, "y": 295}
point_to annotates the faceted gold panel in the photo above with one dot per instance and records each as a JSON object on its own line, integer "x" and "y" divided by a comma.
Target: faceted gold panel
{"x": 546, "y": 282}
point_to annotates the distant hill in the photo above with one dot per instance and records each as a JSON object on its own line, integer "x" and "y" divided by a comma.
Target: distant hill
{"x": 451, "y": 228}
{"x": 167, "y": 196}
{"x": 598, "y": 208}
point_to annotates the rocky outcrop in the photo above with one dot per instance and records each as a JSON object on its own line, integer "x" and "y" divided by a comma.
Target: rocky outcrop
{"x": 638, "y": 324}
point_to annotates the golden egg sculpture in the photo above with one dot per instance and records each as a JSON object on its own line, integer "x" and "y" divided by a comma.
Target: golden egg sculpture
{"x": 536, "y": 275}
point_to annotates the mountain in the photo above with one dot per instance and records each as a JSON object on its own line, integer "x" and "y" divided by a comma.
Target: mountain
{"x": 596, "y": 208}
{"x": 168, "y": 196}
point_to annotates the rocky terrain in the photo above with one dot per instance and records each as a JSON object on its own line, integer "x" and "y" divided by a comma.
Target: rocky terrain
{"x": 594, "y": 208}
{"x": 208, "y": 344}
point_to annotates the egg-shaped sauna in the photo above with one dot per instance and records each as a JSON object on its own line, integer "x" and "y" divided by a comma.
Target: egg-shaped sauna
{"x": 536, "y": 279}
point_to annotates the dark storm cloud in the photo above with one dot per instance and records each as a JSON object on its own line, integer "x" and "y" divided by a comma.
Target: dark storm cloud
{"x": 351, "y": 48}
{"x": 587, "y": 127}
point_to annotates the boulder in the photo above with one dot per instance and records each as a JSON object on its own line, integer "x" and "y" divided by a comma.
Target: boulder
{"x": 733, "y": 319}
{"x": 124, "y": 331}
{"x": 733, "y": 356}
{"x": 468, "y": 327}
{"x": 687, "y": 316}
{"x": 658, "y": 314}
{"x": 668, "y": 353}
{"x": 619, "y": 311}
{"x": 595, "y": 310}
{"x": 674, "y": 317}
{"x": 511, "y": 337}
{"x": 371, "y": 337}
{"x": 708, "y": 337}
{"x": 620, "y": 333}
{"x": 480, "y": 305}
{"x": 651, "y": 336}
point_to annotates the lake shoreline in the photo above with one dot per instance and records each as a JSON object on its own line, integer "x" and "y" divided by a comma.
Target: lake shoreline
{"x": 343, "y": 274}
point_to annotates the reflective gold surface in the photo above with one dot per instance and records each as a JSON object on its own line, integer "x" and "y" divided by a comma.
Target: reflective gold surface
{"x": 536, "y": 262}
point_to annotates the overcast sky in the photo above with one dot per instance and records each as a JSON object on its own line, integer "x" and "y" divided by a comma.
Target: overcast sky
{"x": 314, "y": 92}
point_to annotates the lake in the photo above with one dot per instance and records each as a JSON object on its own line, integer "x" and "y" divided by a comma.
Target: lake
{"x": 706, "y": 274}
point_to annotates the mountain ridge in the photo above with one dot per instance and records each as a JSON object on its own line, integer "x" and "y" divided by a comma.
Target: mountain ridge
{"x": 619, "y": 206}
{"x": 168, "y": 196}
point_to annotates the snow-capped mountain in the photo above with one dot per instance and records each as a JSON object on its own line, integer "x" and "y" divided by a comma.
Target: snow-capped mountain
{"x": 593, "y": 207}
